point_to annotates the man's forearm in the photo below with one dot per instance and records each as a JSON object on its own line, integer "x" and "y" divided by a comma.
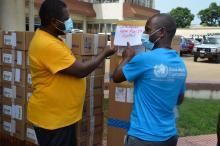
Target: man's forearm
{"x": 118, "y": 75}
{"x": 89, "y": 66}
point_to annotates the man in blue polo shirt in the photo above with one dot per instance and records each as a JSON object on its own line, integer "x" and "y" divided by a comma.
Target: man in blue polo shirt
{"x": 159, "y": 79}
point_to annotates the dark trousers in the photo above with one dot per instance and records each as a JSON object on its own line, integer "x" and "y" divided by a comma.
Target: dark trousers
{"x": 65, "y": 136}
{"x": 132, "y": 141}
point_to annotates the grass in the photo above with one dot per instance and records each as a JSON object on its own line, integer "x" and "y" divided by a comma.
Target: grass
{"x": 196, "y": 116}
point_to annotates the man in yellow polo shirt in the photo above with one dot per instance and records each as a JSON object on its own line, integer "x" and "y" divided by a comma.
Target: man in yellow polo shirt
{"x": 58, "y": 78}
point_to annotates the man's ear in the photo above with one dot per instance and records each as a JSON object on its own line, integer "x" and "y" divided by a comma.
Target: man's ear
{"x": 162, "y": 32}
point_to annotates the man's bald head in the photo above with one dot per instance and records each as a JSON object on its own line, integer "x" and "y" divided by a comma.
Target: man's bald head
{"x": 163, "y": 21}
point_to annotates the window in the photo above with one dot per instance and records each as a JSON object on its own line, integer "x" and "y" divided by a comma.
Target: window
{"x": 144, "y": 3}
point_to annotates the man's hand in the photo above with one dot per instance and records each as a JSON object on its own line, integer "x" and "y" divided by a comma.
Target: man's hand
{"x": 109, "y": 51}
{"x": 128, "y": 53}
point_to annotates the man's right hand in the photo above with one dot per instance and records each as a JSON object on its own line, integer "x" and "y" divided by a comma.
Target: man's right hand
{"x": 128, "y": 53}
{"x": 109, "y": 51}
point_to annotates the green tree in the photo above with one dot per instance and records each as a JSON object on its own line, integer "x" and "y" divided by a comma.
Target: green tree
{"x": 183, "y": 16}
{"x": 211, "y": 15}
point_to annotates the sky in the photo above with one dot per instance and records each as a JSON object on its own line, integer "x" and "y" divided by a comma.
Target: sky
{"x": 195, "y": 6}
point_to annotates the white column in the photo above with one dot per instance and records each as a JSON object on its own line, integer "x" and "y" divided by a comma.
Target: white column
{"x": 84, "y": 25}
{"x": 12, "y": 15}
{"x": 31, "y": 15}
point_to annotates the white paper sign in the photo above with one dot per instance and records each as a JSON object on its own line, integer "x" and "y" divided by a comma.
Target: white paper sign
{"x": 120, "y": 94}
{"x": 129, "y": 32}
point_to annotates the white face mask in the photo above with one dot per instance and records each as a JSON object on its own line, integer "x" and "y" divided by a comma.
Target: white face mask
{"x": 68, "y": 26}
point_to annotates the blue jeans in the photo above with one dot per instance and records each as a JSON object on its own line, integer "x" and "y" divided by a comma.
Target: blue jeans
{"x": 133, "y": 141}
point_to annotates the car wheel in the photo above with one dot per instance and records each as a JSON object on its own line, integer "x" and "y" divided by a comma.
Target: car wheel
{"x": 181, "y": 53}
{"x": 195, "y": 59}
{"x": 210, "y": 59}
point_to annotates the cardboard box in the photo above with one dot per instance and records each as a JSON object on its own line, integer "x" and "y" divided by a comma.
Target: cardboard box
{"x": 14, "y": 58}
{"x": 93, "y": 105}
{"x": 14, "y": 39}
{"x": 0, "y": 56}
{"x": 28, "y": 78}
{"x": 100, "y": 70}
{"x": 13, "y": 92}
{"x": 120, "y": 97}
{"x": 88, "y": 44}
{"x": 93, "y": 140}
{"x": 15, "y": 76}
{"x": 28, "y": 38}
{"x": 94, "y": 85}
{"x": 29, "y": 92}
{"x": 1, "y": 39}
{"x": 90, "y": 125}
{"x": 15, "y": 110}
{"x": 13, "y": 127}
{"x": 30, "y": 135}
{"x": 116, "y": 136}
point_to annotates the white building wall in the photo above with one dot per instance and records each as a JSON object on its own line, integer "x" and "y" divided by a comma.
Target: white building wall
{"x": 12, "y": 15}
{"x": 109, "y": 10}
{"x": 188, "y": 32}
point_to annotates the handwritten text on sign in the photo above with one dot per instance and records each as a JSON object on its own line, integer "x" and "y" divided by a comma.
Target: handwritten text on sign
{"x": 131, "y": 34}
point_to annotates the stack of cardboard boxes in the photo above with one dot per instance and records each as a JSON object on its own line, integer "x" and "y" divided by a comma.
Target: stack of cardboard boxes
{"x": 120, "y": 104}
{"x": 16, "y": 87}
{"x": 86, "y": 47}
{"x": 1, "y": 44}
{"x": 14, "y": 68}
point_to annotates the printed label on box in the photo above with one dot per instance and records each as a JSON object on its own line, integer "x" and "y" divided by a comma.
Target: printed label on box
{"x": 17, "y": 75}
{"x": 7, "y": 110}
{"x": 7, "y": 76}
{"x": 7, "y": 126}
{"x": 19, "y": 57}
{"x": 17, "y": 112}
{"x": 31, "y": 134}
{"x": 7, "y": 58}
{"x": 120, "y": 94}
{"x": 8, "y": 92}
{"x": 130, "y": 95}
{"x": 29, "y": 94}
{"x": 29, "y": 79}
{"x": 7, "y": 40}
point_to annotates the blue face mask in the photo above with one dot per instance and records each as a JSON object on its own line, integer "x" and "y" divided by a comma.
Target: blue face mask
{"x": 145, "y": 39}
{"x": 148, "y": 45}
{"x": 68, "y": 26}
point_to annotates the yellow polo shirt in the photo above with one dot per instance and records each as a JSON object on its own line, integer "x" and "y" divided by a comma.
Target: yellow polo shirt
{"x": 57, "y": 99}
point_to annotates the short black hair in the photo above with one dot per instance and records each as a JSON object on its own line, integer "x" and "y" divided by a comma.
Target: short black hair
{"x": 51, "y": 9}
{"x": 166, "y": 21}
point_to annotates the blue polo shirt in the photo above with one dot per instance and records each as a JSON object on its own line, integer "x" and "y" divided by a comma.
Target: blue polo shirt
{"x": 159, "y": 78}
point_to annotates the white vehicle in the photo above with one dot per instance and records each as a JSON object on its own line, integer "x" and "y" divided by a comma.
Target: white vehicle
{"x": 210, "y": 48}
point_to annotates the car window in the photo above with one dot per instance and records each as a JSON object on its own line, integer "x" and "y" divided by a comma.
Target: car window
{"x": 211, "y": 41}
